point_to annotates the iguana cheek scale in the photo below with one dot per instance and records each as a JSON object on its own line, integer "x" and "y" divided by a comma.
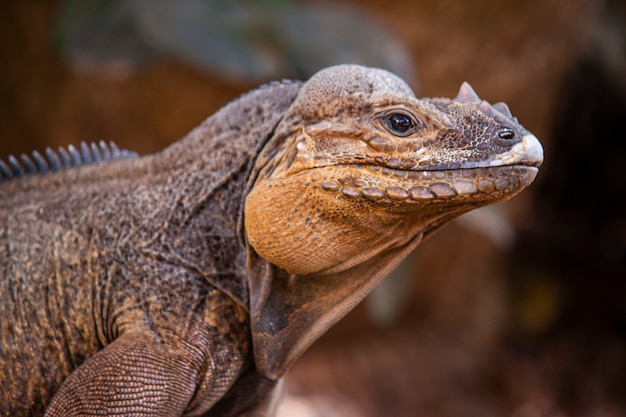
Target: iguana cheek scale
{"x": 189, "y": 281}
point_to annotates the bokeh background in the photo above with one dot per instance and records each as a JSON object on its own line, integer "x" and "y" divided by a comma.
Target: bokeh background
{"x": 518, "y": 310}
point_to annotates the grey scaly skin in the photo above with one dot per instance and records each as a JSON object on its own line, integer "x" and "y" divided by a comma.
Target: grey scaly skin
{"x": 188, "y": 282}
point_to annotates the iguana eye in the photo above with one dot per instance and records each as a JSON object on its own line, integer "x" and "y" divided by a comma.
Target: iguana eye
{"x": 400, "y": 124}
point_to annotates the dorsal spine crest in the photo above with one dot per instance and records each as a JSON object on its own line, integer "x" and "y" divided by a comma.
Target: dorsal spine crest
{"x": 71, "y": 157}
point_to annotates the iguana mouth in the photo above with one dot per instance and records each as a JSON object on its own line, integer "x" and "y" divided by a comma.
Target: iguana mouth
{"x": 390, "y": 185}
{"x": 436, "y": 175}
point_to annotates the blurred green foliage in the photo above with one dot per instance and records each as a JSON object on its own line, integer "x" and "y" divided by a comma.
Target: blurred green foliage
{"x": 240, "y": 41}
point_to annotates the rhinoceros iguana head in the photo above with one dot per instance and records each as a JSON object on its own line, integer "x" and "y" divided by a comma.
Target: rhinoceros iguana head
{"x": 358, "y": 172}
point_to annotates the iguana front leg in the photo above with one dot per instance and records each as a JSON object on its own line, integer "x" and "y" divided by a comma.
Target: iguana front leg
{"x": 178, "y": 366}
{"x": 134, "y": 375}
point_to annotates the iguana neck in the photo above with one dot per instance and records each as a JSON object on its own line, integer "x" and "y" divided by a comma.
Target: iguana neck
{"x": 202, "y": 179}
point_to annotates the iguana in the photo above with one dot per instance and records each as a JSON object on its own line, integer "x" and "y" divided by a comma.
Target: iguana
{"x": 187, "y": 282}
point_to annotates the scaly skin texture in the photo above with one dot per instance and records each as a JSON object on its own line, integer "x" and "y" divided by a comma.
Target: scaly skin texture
{"x": 187, "y": 282}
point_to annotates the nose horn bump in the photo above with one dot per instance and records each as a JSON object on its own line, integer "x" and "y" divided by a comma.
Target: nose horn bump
{"x": 488, "y": 109}
{"x": 495, "y": 113}
{"x": 467, "y": 94}
{"x": 503, "y": 108}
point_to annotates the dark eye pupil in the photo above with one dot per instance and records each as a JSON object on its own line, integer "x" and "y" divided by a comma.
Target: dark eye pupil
{"x": 507, "y": 135}
{"x": 400, "y": 122}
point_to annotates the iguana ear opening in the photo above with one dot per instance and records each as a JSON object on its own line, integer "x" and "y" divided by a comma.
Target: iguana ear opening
{"x": 289, "y": 312}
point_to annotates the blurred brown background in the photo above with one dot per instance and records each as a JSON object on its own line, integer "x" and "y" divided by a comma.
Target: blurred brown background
{"x": 518, "y": 311}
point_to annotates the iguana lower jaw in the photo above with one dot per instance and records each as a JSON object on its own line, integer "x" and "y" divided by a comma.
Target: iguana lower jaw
{"x": 318, "y": 223}
{"x": 410, "y": 190}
